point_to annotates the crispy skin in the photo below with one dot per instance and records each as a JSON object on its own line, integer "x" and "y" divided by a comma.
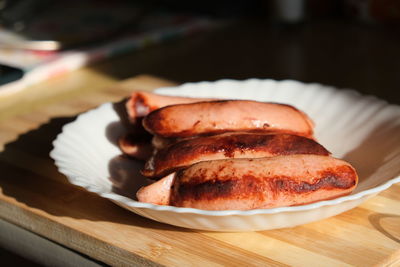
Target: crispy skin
{"x": 228, "y": 145}
{"x": 242, "y": 184}
{"x": 142, "y": 103}
{"x": 212, "y": 117}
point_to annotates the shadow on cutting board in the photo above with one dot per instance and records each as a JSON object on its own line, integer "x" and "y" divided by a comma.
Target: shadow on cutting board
{"x": 30, "y": 177}
{"x": 380, "y": 222}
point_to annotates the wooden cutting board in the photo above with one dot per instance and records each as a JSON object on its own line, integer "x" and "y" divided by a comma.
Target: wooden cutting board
{"x": 35, "y": 196}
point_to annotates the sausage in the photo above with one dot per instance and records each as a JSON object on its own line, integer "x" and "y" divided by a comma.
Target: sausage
{"x": 142, "y": 103}
{"x": 139, "y": 105}
{"x": 242, "y": 184}
{"x": 212, "y": 117}
{"x": 159, "y": 142}
{"x": 136, "y": 146}
{"x": 158, "y": 192}
{"x": 228, "y": 145}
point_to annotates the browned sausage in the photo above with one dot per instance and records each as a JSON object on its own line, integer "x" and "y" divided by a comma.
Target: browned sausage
{"x": 142, "y": 103}
{"x": 213, "y": 117}
{"x": 228, "y": 145}
{"x": 136, "y": 146}
{"x": 242, "y": 184}
{"x": 139, "y": 105}
{"x": 159, "y": 142}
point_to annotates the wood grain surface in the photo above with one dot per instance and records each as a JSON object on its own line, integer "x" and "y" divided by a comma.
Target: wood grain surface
{"x": 35, "y": 196}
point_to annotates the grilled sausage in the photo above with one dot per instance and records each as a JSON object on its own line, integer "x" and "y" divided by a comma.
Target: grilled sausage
{"x": 212, "y": 117}
{"x": 228, "y": 145}
{"x": 242, "y": 184}
{"x": 136, "y": 146}
{"x": 139, "y": 105}
{"x": 142, "y": 103}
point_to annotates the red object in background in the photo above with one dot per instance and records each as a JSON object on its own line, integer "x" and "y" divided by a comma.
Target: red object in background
{"x": 385, "y": 10}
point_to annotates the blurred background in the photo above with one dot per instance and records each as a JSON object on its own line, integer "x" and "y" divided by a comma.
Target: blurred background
{"x": 344, "y": 43}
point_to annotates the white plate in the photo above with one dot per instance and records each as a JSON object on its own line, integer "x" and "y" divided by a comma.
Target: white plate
{"x": 363, "y": 130}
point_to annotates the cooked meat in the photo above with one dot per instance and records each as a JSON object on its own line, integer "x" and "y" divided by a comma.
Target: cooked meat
{"x": 159, "y": 142}
{"x": 136, "y": 146}
{"x": 242, "y": 184}
{"x": 158, "y": 192}
{"x": 142, "y": 103}
{"x": 212, "y": 117}
{"x": 228, "y": 145}
{"x": 138, "y": 106}
{"x": 232, "y": 154}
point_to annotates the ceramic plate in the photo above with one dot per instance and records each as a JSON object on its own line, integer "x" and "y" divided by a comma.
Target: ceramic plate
{"x": 362, "y": 130}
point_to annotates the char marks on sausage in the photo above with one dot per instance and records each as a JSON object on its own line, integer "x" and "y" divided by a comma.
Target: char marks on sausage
{"x": 228, "y": 145}
{"x": 262, "y": 183}
{"x": 232, "y": 154}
